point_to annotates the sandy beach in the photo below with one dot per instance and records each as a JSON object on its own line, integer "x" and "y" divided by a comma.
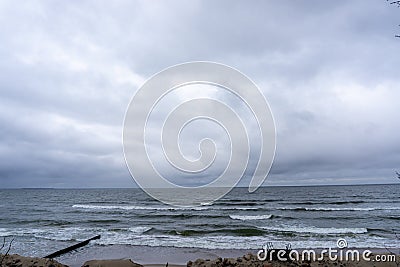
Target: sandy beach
{"x": 147, "y": 255}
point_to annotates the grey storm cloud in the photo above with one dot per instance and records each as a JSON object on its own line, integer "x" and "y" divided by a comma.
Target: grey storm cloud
{"x": 329, "y": 70}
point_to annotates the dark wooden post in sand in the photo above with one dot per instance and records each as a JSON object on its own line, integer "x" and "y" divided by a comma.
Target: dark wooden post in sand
{"x": 68, "y": 249}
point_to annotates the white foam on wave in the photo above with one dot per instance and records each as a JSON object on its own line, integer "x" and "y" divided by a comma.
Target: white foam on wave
{"x": 238, "y": 208}
{"x": 61, "y": 234}
{"x": 338, "y": 209}
{"x": 140, "y": 229}
{"x": 133, "y": 207}
{"x": 20, "y": 231}
{"x": 231, "y": 242}
{"x": 120, "y": 207}
{"x": 136, "y": 236}
{"x": 317, "y": 230}
{"x": 114, "y": 207}
{"x": 250, "y": 217}
{"x": 66, "y": 234}
{"x": 5, "y": 232}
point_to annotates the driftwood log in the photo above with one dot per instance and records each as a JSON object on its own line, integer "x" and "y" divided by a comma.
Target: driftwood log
{"x": 73, "y": 247}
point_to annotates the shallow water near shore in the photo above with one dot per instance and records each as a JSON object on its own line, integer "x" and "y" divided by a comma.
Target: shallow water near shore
{"x": 45, "y": 220}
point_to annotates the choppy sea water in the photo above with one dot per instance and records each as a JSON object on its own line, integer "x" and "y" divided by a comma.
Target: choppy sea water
{"x": 44, "y": 220}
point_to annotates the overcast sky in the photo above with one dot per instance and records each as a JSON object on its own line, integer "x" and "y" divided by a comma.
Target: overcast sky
{"x": 329, "y": 69}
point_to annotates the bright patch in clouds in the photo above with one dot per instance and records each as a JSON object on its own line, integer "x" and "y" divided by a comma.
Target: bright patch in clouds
{"x": 68, "y": 71}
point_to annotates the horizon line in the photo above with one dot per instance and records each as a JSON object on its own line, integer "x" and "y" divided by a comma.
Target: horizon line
{"x": 309, "y": 185}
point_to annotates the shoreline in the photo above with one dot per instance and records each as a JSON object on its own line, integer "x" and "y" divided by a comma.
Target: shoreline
{"x": 148, "y": 255}
{"x": 159, "y": 256}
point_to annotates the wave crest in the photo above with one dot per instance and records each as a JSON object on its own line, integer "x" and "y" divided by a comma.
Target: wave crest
{"x": 250, "y": 217}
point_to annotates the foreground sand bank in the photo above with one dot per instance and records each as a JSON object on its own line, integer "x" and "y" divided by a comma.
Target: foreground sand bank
{"x": 248, "y": 260}
{"x": 15, "y": 260}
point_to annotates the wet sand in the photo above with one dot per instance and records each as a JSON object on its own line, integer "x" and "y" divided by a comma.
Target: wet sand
{"x": 147, "y": 255}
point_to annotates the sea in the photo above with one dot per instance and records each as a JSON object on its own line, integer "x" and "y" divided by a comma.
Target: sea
{"x": 41, "y": 221}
